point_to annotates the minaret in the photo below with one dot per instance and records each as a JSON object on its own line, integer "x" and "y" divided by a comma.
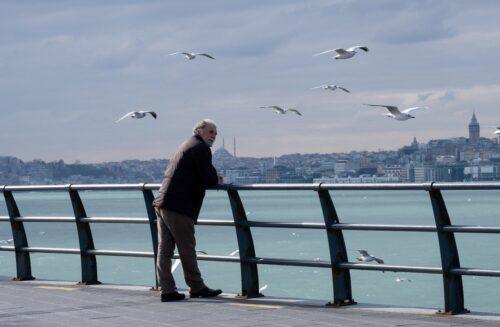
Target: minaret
{"x": 234, "y": 146}
{"x": 473, "y": 130}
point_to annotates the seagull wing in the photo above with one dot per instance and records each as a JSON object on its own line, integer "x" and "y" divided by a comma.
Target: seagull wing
{"x": 379, "y": 261}
{"x": 344, "y": 89}
{"x": 175, "y": 53}
{"x": 204, "y": 54}
{"x": 318, "y": 87}
{"x": 327, "y": 51}
{"x": 363, "y": 252}
{"x": 365, "y": 49}
{"x": 175, "y": 265}
{"x": 392, "y": 109}
{"x": 340, "y": 51}
{"x": 152, "y": 113}
{"x": 296, "y": 111}
{"x": 276, "y": 108}
{"x": 407, "y": 111}
{"x": 125, "y": 116}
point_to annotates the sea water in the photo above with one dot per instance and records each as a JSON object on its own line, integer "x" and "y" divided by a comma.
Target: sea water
{"x": 367, "y": 207}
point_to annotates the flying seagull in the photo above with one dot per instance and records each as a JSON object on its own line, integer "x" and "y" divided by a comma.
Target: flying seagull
{"x": 332, "y": 87}
{"x": 395, "y": 113}
{"x": 191, "y": 55}
{"x": 282, "y": 111}
{"x": 342, "y": 53}
{"x": 175, "y": 265}
{"x": 138, "y": 114}
{"x": 366, "y": 257}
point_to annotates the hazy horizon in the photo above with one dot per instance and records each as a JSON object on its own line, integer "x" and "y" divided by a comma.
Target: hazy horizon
{"x": 69, "y": 69}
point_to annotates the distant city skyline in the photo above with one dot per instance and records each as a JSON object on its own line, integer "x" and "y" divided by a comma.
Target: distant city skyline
{"x": 68, "y": 70}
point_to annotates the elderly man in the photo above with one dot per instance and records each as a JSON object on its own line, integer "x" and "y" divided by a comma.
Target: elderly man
{"x": 178, "y": 203}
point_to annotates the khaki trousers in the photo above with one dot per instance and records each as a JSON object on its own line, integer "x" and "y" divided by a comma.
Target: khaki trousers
{"x": 176, "y": 229}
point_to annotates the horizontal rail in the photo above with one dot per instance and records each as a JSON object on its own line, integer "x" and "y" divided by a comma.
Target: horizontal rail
{"x": 395, "y": 268}
{"x": 115, "y": 253}
{"x": 289, "y": 262}
{"x": 4, "y": 218}
{"x": 253, "y": 223}
{"x": 400, "y": 228}
{"x": 283, "y": 187}
{"x": 49, "y": 250}
{"x": 7, "y": 248}
{"x": 475, "y": 272}
{"x": 471, "y": 229}
{"x": 45, "y": 219}
{"x": 115, "y": 220}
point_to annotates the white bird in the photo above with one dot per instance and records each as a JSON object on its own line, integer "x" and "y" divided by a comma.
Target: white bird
{"x": 175, "y": 265}
{"x": 191, "y": 55}
{"x": 10, "y": 240}
{"x": 400, "y": 280}
{"x": 201, "y": 252}
{"x": 138, "y": 115}
{"x": 263, "y": 288}
{"x": 235, "y": 252}
{"x": 344, "y": 54}
{"x": 497, "y": 129}
{"x": 331, "y": 87}
{"x": 395, "y": 113}
{"x": 366, "y": 257}
{"x": 282, "y": 111}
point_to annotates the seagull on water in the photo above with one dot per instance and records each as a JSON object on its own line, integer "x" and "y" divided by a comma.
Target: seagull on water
{"x": 263, "y": 288}
{"x": 401, "y": 279}
{"x": 366, "y": 257}
{"x": 395, "y": 113}
{"x": 235, "y": 252}
{"x": 332, "y": 87}
{"x": 138, "y": 114}
{"x": 282, "y": 111}
{"x": 344, "y": 53}
{"x": 191, "y": 55}
{"x": 10, "y": 240}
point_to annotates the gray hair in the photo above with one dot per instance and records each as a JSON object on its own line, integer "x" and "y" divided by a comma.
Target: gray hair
{"x": 202, "y": 124}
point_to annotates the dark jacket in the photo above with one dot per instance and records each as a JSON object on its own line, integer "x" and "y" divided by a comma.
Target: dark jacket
{"x": 189, "y": 173}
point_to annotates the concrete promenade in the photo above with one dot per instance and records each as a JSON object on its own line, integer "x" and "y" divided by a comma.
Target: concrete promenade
{"x": 43, "y": 303}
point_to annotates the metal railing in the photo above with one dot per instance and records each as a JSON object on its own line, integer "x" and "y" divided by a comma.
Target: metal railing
{"x": 450, "y": 269}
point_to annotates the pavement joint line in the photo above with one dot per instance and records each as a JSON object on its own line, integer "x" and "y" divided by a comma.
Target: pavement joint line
{"x": 59, "y": 288}
{"x": 258, "y": 306}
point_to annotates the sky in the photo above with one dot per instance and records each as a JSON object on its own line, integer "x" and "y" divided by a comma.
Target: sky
{"x": 69, "y": 69}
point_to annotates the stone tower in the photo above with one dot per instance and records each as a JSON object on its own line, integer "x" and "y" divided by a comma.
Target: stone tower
{"x": 473, "y": 130}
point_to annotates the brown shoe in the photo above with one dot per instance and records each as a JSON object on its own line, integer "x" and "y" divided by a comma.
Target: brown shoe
{"x": 205, "y": 292}
{"x": 174, "y": 296}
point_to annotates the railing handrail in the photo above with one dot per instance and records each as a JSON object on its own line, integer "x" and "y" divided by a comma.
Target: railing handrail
{"x": 450, "y": 269}
{"x": 284, "y": 187}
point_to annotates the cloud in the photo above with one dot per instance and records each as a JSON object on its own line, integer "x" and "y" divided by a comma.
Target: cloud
{"x": 448, "y": 96}
{"x": 424, "y": 96}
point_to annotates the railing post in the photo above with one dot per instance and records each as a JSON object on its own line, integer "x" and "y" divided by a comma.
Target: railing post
{"x": 453, "y": 288}
{"x": 88, "y": 261}
{"x": 249, "y": 272}
{"x": 342, "y": 293}
{"x": 153, "y": 227}
{"x": 23, "y": 262}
